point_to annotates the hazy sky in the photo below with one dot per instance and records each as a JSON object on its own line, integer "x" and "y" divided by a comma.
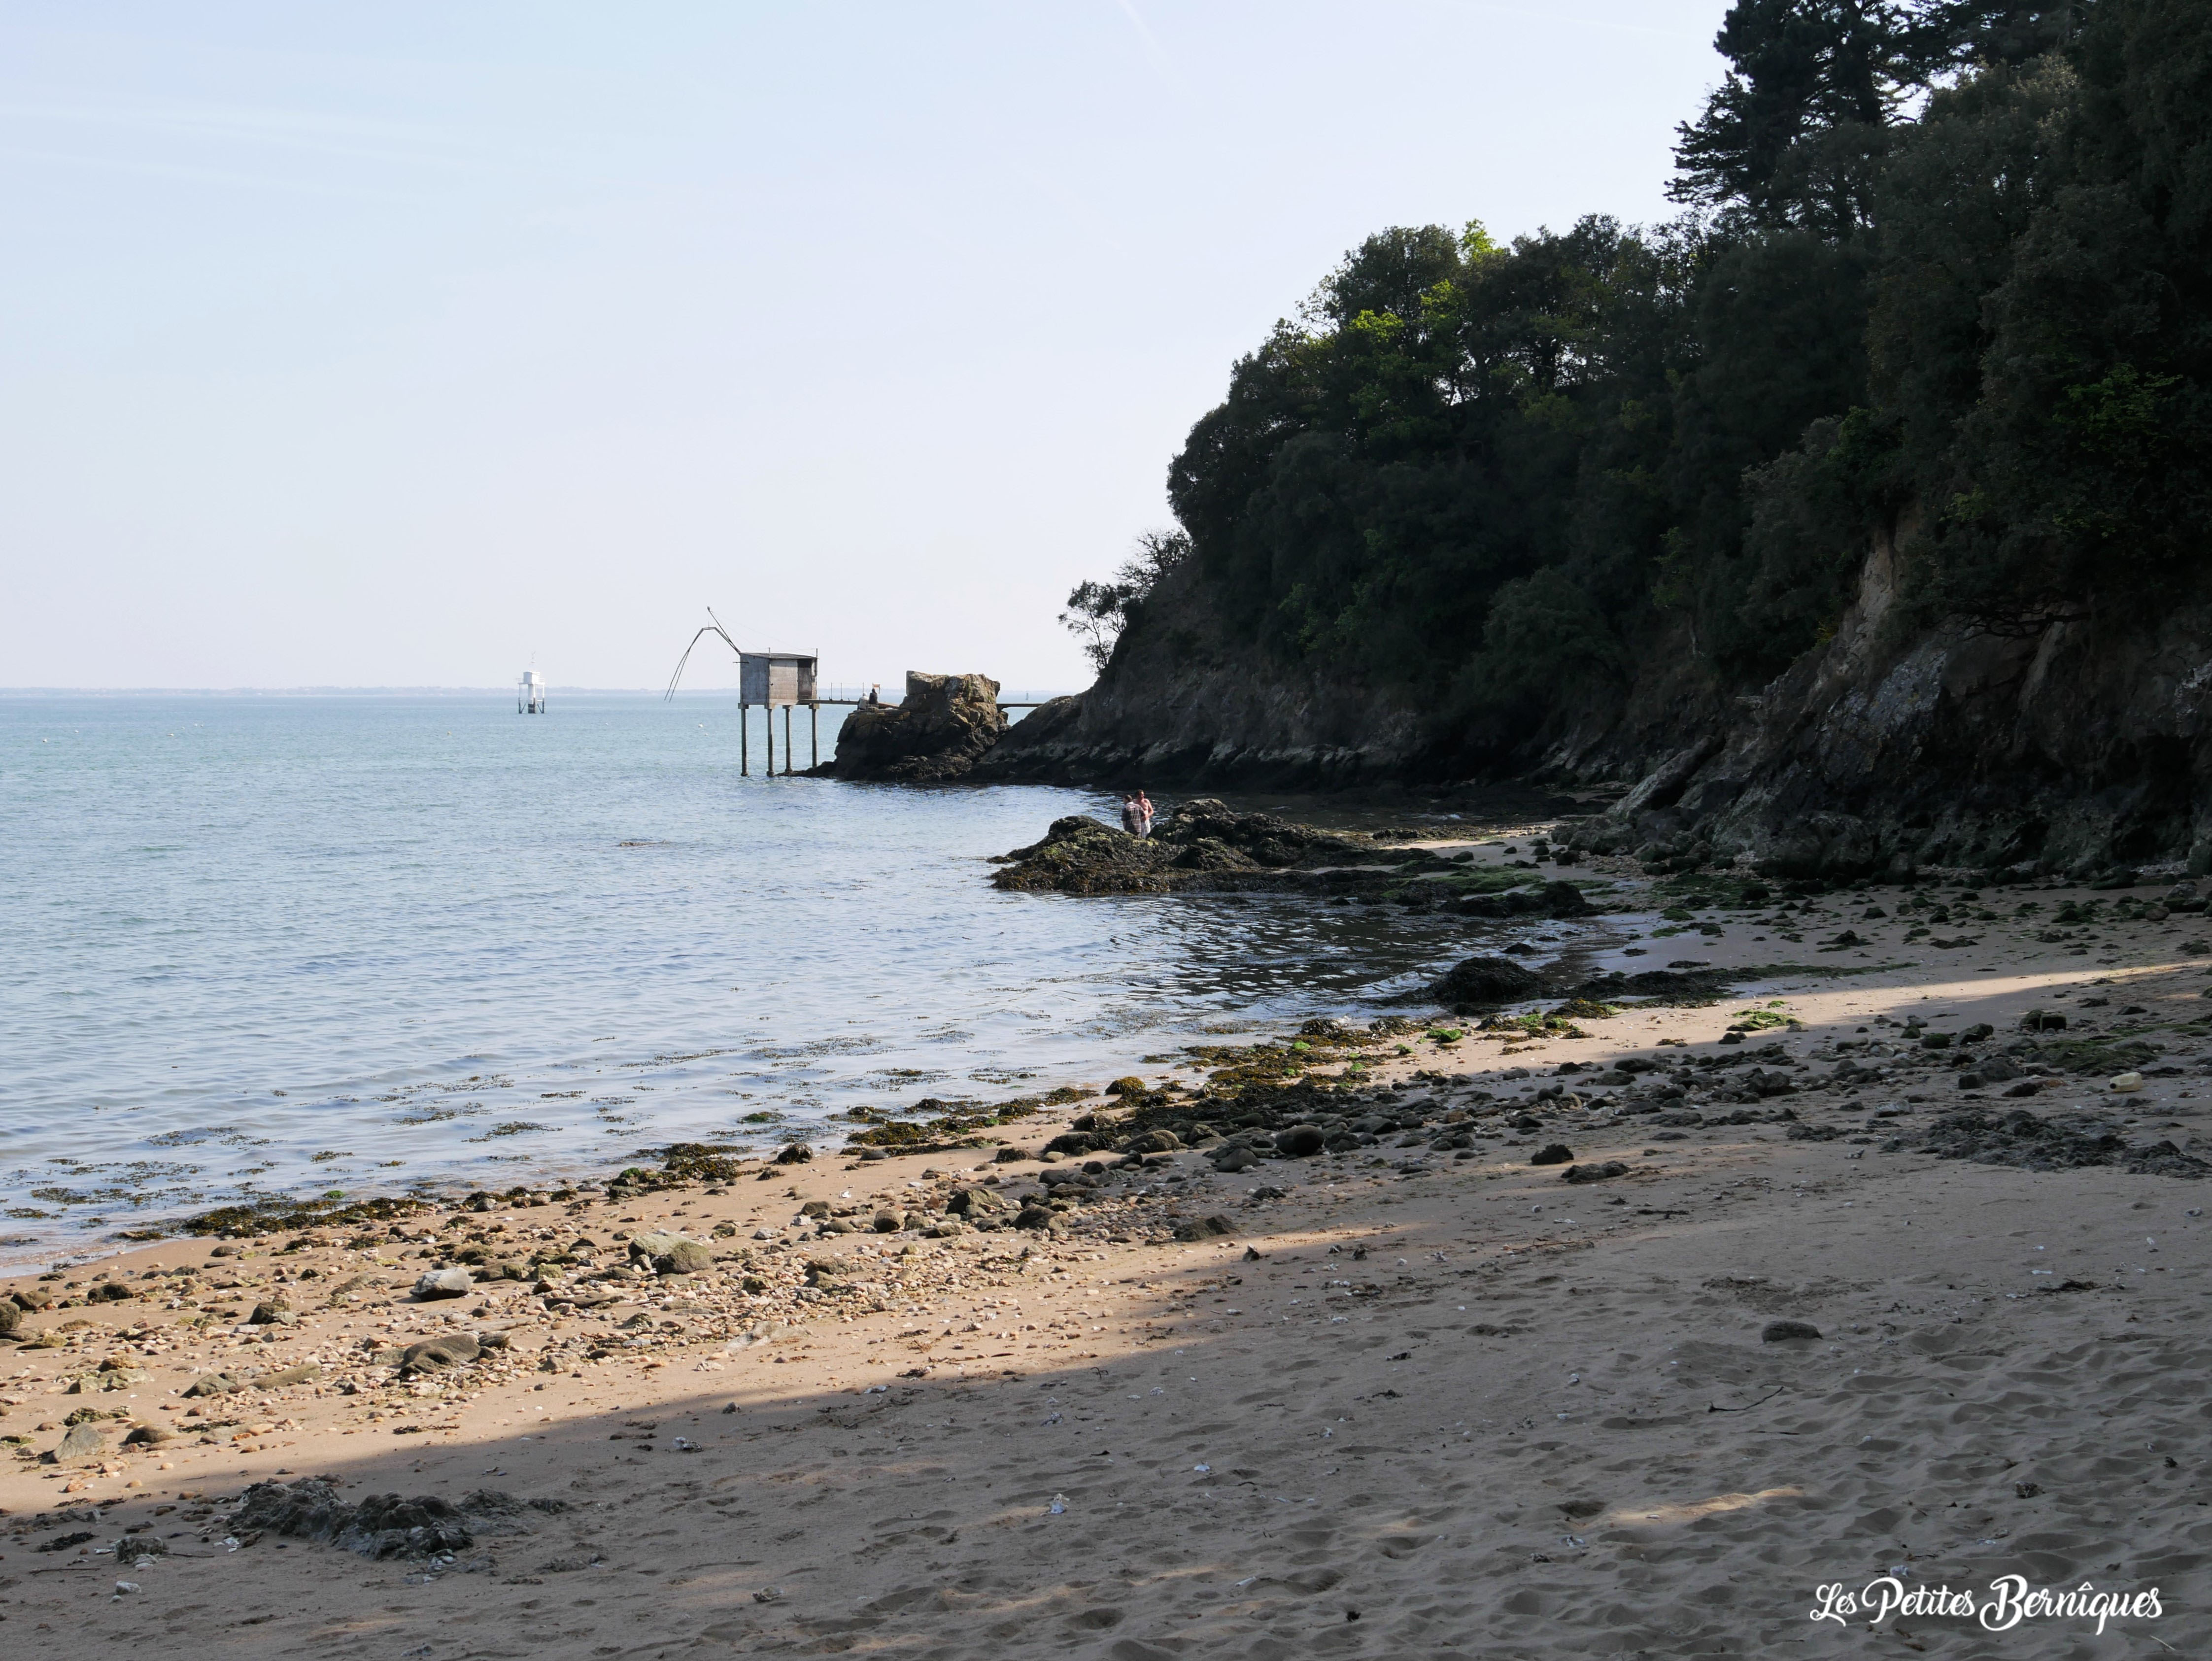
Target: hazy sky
{"x": 397, "y": 345}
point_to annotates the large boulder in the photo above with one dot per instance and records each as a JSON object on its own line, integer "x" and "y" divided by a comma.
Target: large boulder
{"x": 1483, "y": 984}
{"x": 946, "y": 723}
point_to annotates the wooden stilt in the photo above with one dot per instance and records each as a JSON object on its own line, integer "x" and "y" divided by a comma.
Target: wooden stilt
{"x": 786, "y": 741}
{"x": 745, "y": 730}
{"x": 813, "y": 736}
{"x": 769, "y": 710}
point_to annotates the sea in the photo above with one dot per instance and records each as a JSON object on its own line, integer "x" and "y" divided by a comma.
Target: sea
{"x": 300, "y": 944}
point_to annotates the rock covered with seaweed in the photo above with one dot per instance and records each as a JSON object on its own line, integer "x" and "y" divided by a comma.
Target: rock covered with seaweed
{"x": 1202, "y": 843}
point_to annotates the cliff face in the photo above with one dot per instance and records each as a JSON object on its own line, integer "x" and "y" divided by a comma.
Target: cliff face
{"x": 2083, "y": 746}
{"x": 2086, "y": 746}
{"x": 1184, "y": 704}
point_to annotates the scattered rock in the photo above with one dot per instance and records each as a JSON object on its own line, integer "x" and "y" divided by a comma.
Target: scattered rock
{"x": 1594, "y": 1173}
{"x": 214, "y": 1384}
{"x": 382, "y": 1524}
{"x": 435, "y": 1354}
{"x": 79, "y": 1444}
{"x": 1203, "y": 1228}
{"x": 1782, "y": 1332}
{"x": 2058, "y": 1142}
{"x": 1300, "y": 1141}
{"x": 305, "y": 1373}
{"x": 280, "y": 1313}
{"x": 1990, "y": 1069}
{"x": 454, "y": 1283}
{"x": 671, "y": 1254}
{"x": 1556, "y": 1153}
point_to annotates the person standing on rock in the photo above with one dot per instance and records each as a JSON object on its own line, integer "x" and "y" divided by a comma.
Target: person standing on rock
{"x": 1129, "y": 814}
{"x": 1144, "y": 805}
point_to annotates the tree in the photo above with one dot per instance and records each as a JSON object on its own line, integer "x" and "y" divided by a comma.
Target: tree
{"x": 1795, "y": 134}
{"x": 1951, "y": 284}
{"x": 1098, "y": 612}
{"x": 1790, "y": 135}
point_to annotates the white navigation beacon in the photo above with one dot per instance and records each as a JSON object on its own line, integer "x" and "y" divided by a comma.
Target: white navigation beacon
{"x": 530, "y": 694}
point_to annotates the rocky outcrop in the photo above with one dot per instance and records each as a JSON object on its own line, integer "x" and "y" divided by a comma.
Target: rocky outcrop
{"x": 945, "y": 724}
{"x": 1185, "y": 703}
{"x": 1201, "y": 844}
{"x": 2080, "y": 748}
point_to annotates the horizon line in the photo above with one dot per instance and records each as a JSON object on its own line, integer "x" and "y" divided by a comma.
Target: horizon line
{"x": 360, "y": 691}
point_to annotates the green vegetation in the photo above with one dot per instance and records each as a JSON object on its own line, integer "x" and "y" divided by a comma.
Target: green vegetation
{"x": 267, "y": 1215}
{"x": 1533, "y": 1025}
{"x": 1944, "y": 279}
{"x": 1759, "y": 1020}
{"x": 950, "y": 1124}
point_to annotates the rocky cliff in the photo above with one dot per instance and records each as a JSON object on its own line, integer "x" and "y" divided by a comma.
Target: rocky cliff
{"x": 1183, "y": 703}
{"x": 2084, "y": 747}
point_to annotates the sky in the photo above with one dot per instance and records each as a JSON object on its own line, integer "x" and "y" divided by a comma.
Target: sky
{"x": 417, "y": 344}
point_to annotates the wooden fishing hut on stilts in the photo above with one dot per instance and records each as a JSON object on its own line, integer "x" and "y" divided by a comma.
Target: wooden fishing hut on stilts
{"x": 768, "y": 681}
{"x": 777, "y": 680}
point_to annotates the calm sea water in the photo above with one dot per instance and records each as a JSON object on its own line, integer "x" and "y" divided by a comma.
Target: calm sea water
{"x": 288, "y": 945}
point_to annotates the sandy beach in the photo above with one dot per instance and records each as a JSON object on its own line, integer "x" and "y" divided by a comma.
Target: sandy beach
{"x": 1422, "y": 1395}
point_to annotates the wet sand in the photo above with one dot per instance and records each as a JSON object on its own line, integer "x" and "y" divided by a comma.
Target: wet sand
{"x": 1412, "y": 1403}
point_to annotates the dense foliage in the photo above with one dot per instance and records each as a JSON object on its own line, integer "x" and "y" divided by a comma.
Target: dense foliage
{"x": 1945, "y": 274}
